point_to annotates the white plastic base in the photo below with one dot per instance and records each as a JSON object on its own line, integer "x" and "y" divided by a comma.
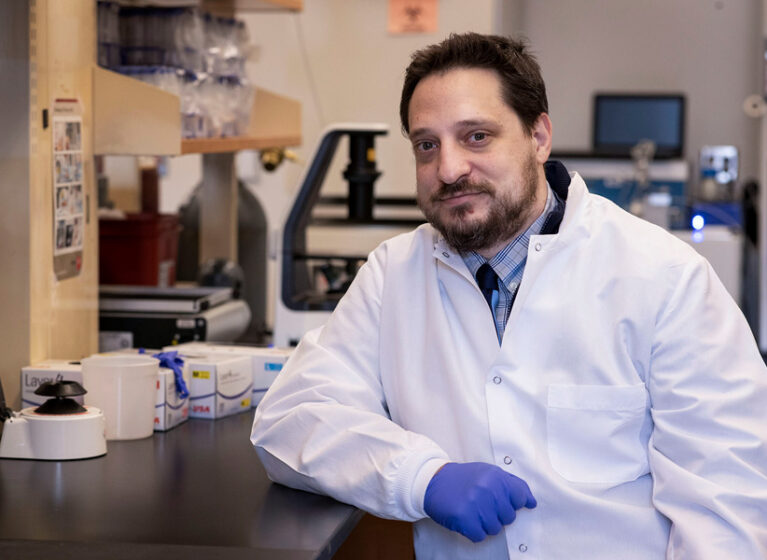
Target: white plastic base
{"x": 46, "y": 437}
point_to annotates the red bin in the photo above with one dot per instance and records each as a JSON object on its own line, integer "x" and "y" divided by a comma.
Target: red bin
{"x": 138, "y": 250}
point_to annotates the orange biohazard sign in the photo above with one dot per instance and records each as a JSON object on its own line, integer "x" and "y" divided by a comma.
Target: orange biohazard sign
{"x": 412, "y": 16}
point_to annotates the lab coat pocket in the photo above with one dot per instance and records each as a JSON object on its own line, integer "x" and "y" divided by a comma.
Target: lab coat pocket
{"x": 595, "y": 432}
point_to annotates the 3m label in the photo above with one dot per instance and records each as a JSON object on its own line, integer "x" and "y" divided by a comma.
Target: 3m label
{"x": 201, "y": 374}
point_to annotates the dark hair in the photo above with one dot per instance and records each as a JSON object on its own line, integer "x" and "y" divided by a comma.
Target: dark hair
{"x": 521, "y": 82}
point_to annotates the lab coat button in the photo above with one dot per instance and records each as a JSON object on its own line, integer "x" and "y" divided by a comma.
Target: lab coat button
{"x": 507, "y": 460}
{"x": 538, "y": 246}
{"x": 523, "y": 548}
{"x": 496, "y": 380}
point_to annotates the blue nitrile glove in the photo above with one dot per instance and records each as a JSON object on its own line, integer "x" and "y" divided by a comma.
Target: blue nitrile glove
{"x": 475, "y": 499}
{"x": 171, "y": 361}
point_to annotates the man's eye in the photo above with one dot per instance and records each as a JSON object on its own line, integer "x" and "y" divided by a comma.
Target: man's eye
{"x": 424, "y": 146}
{"x": 478, "y": 136}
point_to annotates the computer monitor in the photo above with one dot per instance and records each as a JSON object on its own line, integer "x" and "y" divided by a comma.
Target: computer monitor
{"x": 623, "y": 120}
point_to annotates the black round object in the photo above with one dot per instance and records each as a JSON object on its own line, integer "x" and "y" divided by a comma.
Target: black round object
{"x": 60, "y": 389}
{"x": 60, "y": 405}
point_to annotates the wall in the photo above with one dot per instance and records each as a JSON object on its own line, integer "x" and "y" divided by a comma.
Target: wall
{"x": 14, "y": 174}
{"x": 707, "y": 49}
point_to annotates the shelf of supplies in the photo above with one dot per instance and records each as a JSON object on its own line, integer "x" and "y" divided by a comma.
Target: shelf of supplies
{"x": 134, "y": 118}
{"x": 275, "y": 122}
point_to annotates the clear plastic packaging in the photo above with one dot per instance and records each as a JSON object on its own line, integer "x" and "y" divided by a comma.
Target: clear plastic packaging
{"x": 188, "y": 39}
{"x": 108, "y": 34}
{"x": 194, "y": 121}
{"x": 200, "y": 57}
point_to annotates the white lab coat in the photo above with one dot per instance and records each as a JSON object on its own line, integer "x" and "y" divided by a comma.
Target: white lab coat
{"x": 628, "y": 392}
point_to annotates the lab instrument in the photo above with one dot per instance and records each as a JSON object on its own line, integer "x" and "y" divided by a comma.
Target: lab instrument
{"x": 312, "y": 282}
{"x": 150, "y": 317}
{"x": 60, "y": 429}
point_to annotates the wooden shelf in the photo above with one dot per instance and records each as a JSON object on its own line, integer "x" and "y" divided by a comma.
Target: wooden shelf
{"x": 275, "y": 122}
{"x": 235, "y": 144}
{"x": 230, "y": 7}
{"x": 134, "y": 118}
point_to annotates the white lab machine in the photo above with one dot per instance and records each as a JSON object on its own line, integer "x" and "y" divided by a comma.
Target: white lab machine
{"x": 60, "y": 429}
{"x": 152, "y": 317}
{"x": 311, "y": 282}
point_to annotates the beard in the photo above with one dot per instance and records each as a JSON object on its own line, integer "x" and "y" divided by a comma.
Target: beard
{"x": 507, "y": 214}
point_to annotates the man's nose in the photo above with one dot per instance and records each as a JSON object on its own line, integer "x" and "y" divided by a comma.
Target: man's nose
{"x": 453, "y": 164}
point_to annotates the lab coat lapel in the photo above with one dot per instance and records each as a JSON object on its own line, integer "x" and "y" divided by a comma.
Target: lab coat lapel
{"x": 461, "y": 296}
{"x": 543, "y": 249}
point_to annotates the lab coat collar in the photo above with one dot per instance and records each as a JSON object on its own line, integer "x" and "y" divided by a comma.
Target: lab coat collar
{"x": 558, "y": 178}
{"x": 559, "y": 181}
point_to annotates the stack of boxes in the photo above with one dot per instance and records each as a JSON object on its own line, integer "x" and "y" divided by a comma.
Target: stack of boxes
{"x": 222, "y": 380}
{"x": 265, "y": 364}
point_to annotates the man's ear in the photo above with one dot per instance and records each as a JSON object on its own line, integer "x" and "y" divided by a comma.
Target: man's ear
{"x": 542, "y": 137}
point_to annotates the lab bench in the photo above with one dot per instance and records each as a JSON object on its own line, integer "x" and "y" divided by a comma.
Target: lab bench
{"x": 197, "y": 491}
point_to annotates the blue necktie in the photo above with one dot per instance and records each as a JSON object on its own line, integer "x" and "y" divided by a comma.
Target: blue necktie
{"x": 487, "y": 280}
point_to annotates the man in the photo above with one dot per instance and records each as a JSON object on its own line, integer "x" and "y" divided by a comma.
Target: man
{"x": 607, "y": 403}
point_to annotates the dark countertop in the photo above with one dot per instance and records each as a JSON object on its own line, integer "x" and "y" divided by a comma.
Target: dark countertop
{"x": 196, "y": 491}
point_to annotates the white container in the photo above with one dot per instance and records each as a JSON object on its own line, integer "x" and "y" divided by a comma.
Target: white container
{"x": 124, "y": 387}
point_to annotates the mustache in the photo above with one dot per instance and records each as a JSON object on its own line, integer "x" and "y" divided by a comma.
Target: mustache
{"x": 462, "y": 186}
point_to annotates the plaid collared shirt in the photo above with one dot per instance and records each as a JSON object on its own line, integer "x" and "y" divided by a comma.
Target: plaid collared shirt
{"x": 509, "y": 264}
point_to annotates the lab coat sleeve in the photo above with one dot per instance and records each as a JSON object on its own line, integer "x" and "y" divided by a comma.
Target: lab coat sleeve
{"x": 324, "y": 425}
{"x": 708, "y": 450}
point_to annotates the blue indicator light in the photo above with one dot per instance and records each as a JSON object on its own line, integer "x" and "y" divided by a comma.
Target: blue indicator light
{"x": 698, "y": 222}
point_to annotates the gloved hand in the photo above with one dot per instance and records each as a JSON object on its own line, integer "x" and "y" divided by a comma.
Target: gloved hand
{"x": 475, "y": 499}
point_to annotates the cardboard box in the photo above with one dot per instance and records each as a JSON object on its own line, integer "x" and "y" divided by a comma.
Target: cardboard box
{"x": 34, "y": 375}
{"x": 265, "y": 362}
{"x": 170, "y": 409}
{"x": 221, "y": 385}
